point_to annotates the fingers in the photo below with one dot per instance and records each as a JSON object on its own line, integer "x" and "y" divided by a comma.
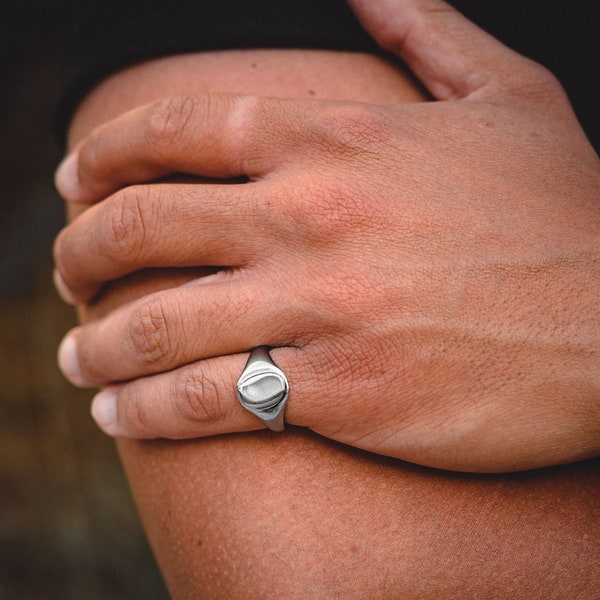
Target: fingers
{"x": 226, "y": 314}
{"x": 159, "y": 226}
{"x": 194, "y": 401}
{"x": 211, "y": 135}
{"x": 452, "y": 56}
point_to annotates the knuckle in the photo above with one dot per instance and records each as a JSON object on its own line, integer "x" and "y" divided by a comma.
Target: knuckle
{"x": 344, "y": 208}
{"x": 150, "y": 334}
{"x": 347, "y": 365}
{"x": 535, "y": 82}
{"x": 246, "y": 110}
{"x": 198, "y": 397}
{"x": 332, "y": 212}
{"x": 169, "y": 119}
{"x": 355, "y": 137}
{"x": 355, "y": 129}
{"x": 243, "y": 118}
{"x": 543, "y": 77}
{"x": 127, "y": 220}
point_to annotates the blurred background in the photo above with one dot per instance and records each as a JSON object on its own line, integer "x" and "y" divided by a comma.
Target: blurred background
{"x": 68, "y": 528}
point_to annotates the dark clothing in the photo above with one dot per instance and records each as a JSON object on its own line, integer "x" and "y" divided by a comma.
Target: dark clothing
{"x": 111, "y": 34}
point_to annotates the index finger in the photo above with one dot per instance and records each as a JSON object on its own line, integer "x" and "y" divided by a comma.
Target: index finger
{"x": 210, "y": 135}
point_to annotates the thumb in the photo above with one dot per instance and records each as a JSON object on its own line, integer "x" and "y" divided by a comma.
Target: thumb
{"x": 452, "y": 56}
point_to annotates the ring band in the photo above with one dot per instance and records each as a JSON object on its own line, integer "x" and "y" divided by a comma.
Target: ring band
{"x": 263, "y": 388}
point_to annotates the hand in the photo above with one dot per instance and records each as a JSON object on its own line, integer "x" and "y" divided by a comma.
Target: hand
{"x": 427, "y": 274}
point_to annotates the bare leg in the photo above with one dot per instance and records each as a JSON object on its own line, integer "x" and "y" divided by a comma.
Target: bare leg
{"x": 263, "y": 515}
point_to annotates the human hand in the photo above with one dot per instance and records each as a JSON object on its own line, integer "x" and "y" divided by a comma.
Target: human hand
{"x": 427, "y": 274}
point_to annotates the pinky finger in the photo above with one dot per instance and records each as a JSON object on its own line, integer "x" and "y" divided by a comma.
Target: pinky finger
{"x": 196, "y": 400}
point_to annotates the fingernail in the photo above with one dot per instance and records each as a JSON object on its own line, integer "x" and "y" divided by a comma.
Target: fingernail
{"x": 104, "y": 410}
{"x": 61, "y": 287}
{"x": 66, "y": 178}
{"x": 68, "y": 361}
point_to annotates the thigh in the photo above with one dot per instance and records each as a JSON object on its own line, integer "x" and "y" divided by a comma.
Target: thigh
{"x": 293, "y": 515}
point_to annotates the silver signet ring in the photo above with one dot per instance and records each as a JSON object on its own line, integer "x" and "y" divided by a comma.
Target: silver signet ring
{"x": 263, "y": 389}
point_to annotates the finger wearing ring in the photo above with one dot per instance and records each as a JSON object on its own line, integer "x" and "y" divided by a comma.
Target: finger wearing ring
{"x": 263, "y": 389}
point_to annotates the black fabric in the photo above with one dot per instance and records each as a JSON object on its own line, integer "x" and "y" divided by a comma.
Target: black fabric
{"x": 111, "y": 34}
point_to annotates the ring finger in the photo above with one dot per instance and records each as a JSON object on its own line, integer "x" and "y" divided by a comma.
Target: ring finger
{"x": 225, "y": 313}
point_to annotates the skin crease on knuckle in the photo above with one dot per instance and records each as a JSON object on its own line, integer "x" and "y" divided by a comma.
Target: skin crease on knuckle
{"x": 168, "y": 121}
{"x": 127, "y": 223}
{"x": 235, "y": 513}
{"x": 198, "y": 398}
{"x": 150, "y": 334}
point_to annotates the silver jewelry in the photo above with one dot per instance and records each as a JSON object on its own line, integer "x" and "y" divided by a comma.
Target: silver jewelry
{"x": 263, "y": 389}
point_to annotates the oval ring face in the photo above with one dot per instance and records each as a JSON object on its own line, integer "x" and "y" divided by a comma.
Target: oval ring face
{"x": 263, "y": 389}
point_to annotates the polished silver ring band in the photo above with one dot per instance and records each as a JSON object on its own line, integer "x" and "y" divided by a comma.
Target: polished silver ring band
{"x": 263, "y": 389}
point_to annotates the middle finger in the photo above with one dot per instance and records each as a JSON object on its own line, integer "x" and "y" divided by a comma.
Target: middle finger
{"x": 160, "y": 225}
